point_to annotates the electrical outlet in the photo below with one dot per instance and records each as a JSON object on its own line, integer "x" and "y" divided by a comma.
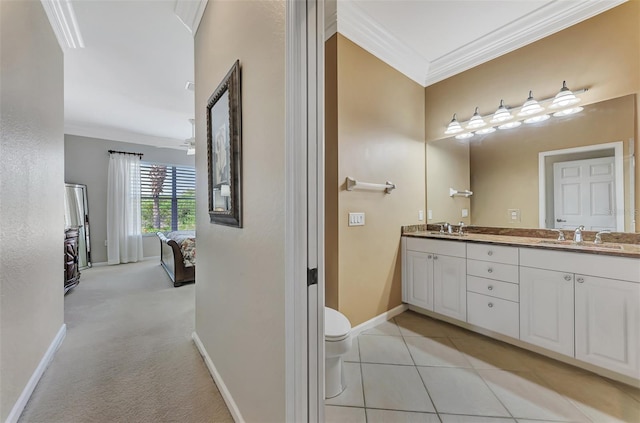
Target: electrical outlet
{"x": 420, "y": 215}
{"x": 514, "y": 215}
{"x": 465, "y": 213}
{"x": 430, "y": 214}
{"x": 356, "y": 219}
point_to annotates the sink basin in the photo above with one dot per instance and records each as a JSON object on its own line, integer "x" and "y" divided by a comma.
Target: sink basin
{"x": 589, "y": 246}
{"x": 455, "y": 234}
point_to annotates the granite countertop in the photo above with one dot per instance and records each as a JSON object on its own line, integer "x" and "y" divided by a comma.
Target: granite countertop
{"x": 533, "y": 239}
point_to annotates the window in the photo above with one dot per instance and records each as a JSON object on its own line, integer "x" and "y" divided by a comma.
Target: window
{"x": 168, "y": 198}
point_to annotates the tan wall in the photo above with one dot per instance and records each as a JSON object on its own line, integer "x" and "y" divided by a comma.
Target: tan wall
{"x": 600, "y": 53}
{"x": 504, "y": 168}
{"x": 332, "y": 186}
{"x": 380, "y": 138}
{"x": 31, "y": 194}
{"x": 240, "y": 288}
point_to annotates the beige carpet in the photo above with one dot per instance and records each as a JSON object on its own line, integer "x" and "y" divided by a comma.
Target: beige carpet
{"x": 128, "y": 355}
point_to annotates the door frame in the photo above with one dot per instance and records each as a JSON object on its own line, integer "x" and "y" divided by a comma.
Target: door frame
{"x": 619, "y": 178}
{"x": 304, "y": 211}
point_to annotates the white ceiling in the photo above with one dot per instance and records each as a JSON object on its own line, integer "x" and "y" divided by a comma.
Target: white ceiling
{"x": 430, "y": 40}
{"x": 128, "y": 83}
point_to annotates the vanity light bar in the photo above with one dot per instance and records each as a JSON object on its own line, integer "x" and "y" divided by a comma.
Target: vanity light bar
{"x": 530, "y": 112}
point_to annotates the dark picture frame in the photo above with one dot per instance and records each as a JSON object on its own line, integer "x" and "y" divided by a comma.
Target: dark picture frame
{"x": 224, "y": 150}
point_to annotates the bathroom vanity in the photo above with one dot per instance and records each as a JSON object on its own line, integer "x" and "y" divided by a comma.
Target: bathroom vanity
{"x": 577, "y": 303}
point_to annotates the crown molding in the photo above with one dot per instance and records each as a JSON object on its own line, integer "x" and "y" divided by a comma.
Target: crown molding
{"x": 358, "y": 26}
{"x": 354, "y": 23}
{"x": 330, "y": 19}
{"x": 114, "y": 134}
{"x": 542, "y": 22}
{"x": 63, "y": 21}
{"x": 190, "y": 13}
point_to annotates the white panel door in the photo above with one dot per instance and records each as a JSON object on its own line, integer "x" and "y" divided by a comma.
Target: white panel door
{"x": 450, "y": 286}
{"x": 420, "y": 279}
{"x": 608, "y": 323}
{"x": 584, "y": 194}
{"x": 546, "y": 309}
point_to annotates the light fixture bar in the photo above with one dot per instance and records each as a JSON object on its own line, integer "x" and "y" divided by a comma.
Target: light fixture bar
{"x": 523, "y": 113}
{"x": 63, "y": 21}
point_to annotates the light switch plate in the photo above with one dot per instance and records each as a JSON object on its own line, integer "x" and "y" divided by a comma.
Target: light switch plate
{"x": 465, "y": 213}
{"x": 420, "y": 215}
{"x": 430, "y": 214}
{"x": 356, "y": 219}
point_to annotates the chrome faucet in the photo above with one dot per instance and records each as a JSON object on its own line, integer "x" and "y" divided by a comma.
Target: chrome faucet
{"x": 444, "y": 225}
{"x": 460, "y": 230}
{"x": 577, "y": 236}
{"x": 598, "y": 239}
{"x": 449, "y": 228}
{"x": 560, "y": 234}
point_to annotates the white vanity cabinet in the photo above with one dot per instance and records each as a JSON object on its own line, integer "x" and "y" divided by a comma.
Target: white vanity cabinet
{"x": 418, "y": 279}
{"x": 546, "y": 309}
{"x": 435, "y": 276}
{"x": 583, "y": 306}
{"x": 587, "y": 300}
{"x": 492, "y": 288}
{"x": 608, "y": 323}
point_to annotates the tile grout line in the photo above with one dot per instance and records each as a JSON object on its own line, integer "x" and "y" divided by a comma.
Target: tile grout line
{"x": 419, "y": 375}
{"x": 364, "y": 399}
{"x": 482, "y": 379}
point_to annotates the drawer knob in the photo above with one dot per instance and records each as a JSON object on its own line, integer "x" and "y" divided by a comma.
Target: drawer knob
{"x": 490, "y": 305}
{"x": 567, "y": 278}
{"x": 490, "y": 288}
{"x": 580, "y": 280}
{"x": 490, "y": 270}
{"x": 435, "y": 257}
{"x": 429, "y": 256}
{"x": 490, "y": 253}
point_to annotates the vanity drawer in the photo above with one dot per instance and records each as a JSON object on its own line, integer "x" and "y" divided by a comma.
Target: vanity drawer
{"x": 504, "y": 290}
{"x": 489, "y": 270}
{"x": 495, "y": 253}
{"x": 498, "y": 315}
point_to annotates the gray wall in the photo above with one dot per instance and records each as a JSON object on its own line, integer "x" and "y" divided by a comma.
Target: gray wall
{"x": 31, "y": 194}
{"x": 87, "y": 162}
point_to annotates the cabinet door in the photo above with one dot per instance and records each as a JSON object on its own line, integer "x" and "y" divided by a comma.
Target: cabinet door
{"x": 450, "y": 286}
{"x": 607, "y": 323}
{"x": 546, "y": 309}
{"x": 420, "y": 279}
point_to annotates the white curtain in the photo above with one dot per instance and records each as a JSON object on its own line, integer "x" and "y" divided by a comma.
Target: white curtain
{"x": 124, "y": 228}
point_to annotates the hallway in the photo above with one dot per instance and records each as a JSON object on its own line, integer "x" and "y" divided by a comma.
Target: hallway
{"x": 128, "y": 355}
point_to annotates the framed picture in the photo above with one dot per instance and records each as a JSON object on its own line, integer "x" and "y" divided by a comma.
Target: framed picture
{"x": 224, "y": 151}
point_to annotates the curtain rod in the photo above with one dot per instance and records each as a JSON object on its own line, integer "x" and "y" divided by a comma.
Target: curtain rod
{"x": 126, "y": 152}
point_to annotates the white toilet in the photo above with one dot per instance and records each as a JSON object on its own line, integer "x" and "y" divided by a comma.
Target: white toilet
{"x": 337, "y": 342}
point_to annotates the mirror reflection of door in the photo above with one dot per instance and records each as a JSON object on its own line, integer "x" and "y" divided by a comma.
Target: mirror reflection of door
{"x": 584, "y": 194}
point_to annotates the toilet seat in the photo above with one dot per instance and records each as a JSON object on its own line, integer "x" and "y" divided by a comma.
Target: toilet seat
{"x": 336, "y": 325}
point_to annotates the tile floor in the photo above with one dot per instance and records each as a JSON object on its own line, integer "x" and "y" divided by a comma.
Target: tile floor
{"x": 417, "y": 369}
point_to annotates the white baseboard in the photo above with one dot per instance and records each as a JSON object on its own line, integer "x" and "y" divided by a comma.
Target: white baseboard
{"x": 18, "y": 407}
{"x": 224, "y": 391}
{"x": 378, "y": 319}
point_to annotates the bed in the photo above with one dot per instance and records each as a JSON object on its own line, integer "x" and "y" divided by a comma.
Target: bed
{"x": 178, "y": 256}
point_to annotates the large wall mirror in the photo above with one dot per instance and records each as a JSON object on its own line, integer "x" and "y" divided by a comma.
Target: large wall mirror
{"x": 76, "y": 215}
{"x": 560, "y": 173}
